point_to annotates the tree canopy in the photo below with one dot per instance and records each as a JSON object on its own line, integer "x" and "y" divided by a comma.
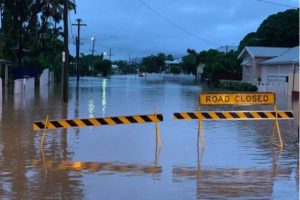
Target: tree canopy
{"x": 31, "y": 31}
{"x": 154, "y": 63}
{"x": 278, "y": 30}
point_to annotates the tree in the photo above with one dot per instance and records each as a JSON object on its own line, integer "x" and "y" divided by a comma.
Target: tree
{"x": 103, "y": 67}
{"x": 189, "y": 62}
{"x": 124, "y": 67}
{"x": 169, "y": 57}
{"x": 250, "y": 39}
{"x": 278, "y": 30}
{"x": 25, "y": 25}
{"x": 281, "y": 29}
{"x": 154, "y": 64}
{"x": 87, "y": 62}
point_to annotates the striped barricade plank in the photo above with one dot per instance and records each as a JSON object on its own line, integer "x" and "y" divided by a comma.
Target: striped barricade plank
{"x": 233, "y": 115}
{"x": 70, "y": 123}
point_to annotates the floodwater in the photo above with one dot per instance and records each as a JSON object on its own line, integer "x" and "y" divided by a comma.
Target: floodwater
{"x": 124, "y": 162}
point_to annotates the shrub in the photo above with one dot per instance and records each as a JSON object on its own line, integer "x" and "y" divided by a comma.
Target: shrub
{"x": 175, "y": 70}
{"x": 237, "y": 86}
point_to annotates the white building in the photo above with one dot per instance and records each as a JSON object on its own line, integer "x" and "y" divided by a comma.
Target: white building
{"x": 252, "y": 57}
{"x": 271, "y": 65}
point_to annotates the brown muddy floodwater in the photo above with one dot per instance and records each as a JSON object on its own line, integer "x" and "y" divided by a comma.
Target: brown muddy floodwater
{"x": 123, "y": 162}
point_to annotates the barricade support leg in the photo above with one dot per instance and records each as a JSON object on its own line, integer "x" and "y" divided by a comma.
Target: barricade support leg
{"x": 157, "y": 131}
{"x": 276, "y": 126}
{"x": 44, "y": 132}
{"x": 200, "y": 130}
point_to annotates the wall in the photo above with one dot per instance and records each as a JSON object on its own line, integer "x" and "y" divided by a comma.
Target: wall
{"x": 276, "y": 70}
{"x": 1, "y": 92}
{"x": 294, "y": 81}
{"x": 23, "y": 85}
{"x": 44, "y": 78}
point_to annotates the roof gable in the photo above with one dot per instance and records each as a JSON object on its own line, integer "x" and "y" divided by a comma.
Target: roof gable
{"x": 289, "y": 56}
{"x": 268, "y": 52}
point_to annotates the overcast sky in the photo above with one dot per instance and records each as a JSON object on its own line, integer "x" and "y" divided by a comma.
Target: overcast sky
{"x": 145, "y": 27}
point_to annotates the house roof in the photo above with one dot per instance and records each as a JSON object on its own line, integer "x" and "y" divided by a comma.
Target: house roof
{"x": 177, "y": 61}
{"x": 289, "y": 56}
{"x": 262, "y": 51}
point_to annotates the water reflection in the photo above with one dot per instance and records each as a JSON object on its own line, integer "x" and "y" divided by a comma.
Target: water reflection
{"x": 91, "y": 107}
{"x": 103, "y": 96}
{"x": 97, "y": 167}
{"x": 238, "y": 154}
{"x": 221, "y": 183}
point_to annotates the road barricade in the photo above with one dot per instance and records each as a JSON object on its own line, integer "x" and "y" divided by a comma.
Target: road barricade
{"x": 240, "y": 99}
{"x": 103, "y": 121}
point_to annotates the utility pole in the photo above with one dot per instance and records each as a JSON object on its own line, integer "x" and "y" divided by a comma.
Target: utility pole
{"x": 79, "y": 24}
{"x": 93, "y": 50}
{"x": 110, "y": 54}
{"x": 93, "y": 47}
{"x": 65, "y": 71}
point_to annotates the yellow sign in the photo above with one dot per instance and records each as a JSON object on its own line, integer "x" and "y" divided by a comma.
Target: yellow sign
{"x": 254, "y": 98}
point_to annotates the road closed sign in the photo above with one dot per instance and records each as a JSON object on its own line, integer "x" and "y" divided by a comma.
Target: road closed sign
{"x": 253, "y": 98}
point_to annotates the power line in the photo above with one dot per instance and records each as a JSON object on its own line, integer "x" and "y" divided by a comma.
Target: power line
{"x": 176, "y": 25}
{"x": 278, "y": 4}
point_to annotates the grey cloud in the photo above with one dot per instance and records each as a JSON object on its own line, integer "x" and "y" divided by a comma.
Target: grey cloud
{"x": 127, "y": 26}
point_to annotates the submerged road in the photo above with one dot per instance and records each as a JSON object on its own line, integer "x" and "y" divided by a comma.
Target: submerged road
{"x": 124, "y": 161}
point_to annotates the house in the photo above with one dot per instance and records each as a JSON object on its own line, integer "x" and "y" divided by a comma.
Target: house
{"x": 270, "y": 65}
{"x": 170, "y": 63}
{"x": 283, "y": 68}
{"x": 252, "y": 57}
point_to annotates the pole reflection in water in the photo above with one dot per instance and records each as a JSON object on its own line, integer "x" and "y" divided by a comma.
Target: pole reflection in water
{"x": 103, "y": 96}
{"x": 91, "y": 107}
{"x": 223, "y": 183}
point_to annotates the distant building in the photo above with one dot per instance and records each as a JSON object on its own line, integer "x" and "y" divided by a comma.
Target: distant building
{"x": 115, "y": 69}
{"x": 169, "y": 63}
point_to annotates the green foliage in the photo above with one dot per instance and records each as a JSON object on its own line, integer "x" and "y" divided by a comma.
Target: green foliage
{"x": 103, "y": 67}
{"x": 86, "y": 63}
{"x": 154, "y": 64}
{"x": 249, "y": 40}
{"x": 30, "y": 33}
{"x": 189, "y": 62}
{"x": 125, "y": 68}
{"x": 175, "y": 69}
{"x": 237, "y": 86}
{"x": 219, "y": 65}
{"x": 278, "y": 30}
{"x": 169, "y": 57}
